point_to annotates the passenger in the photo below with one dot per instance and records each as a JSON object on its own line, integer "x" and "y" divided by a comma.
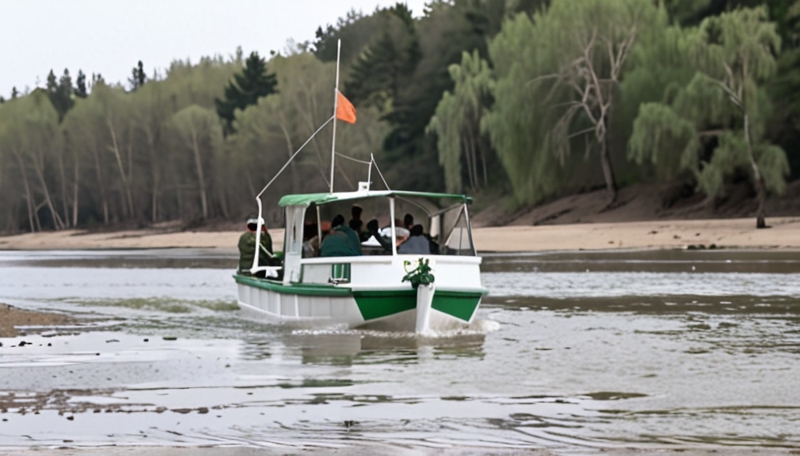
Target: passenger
{"x": 416, "y": 243}
{"x": 373, "y": 230}
{"x": 400, "y": 234}
{"x": 342, "y": 241}
{"x": 310, "y": 240}
{"x": 247, "y": 248}
{"x": 408, "y": 221}
{"x": 356, "y": 224}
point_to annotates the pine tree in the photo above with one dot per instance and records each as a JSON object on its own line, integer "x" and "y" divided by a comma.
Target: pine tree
{"x": 246, "y": 88}
{"x": 60, "y": 93}
{"x": 14, "y": 92}
{"x": 138, "y": 77}
{"x": 80, "y": 85}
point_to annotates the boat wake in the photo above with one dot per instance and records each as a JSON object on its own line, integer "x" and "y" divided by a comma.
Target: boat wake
{"x": 476, "y": 328}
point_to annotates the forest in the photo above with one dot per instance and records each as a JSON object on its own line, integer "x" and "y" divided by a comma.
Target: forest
{"x": 518, "y": 101}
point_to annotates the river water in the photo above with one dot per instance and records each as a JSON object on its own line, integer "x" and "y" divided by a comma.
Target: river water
{"x": 571, "y": 353}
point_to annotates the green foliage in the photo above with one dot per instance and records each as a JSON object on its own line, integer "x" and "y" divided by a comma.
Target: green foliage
{"x": 198, "y": 131}
{"x": 733, "y": 54}
{"x": 246, "y": 88}
{"x": 271, "y": 131}
{"x": 138, "y": 77}
{"x": 713, "y": 103}
{"x": 379, "y": 70}
{"x": 668, "y": 141}
{"x": 560, "y": 93}
{"x": 60, "y": 93}
{"x": 421, "y": 275}
{"x": 457, "y": 122}
{"x": 80, "y": 85}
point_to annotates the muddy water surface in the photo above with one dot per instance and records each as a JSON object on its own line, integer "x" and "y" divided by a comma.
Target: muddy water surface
{"x": 570, "y": 354}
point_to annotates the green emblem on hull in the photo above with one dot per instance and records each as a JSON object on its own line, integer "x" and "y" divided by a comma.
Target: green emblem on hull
{"x": 457, "y": 304}
{"x": 379, "y": 304}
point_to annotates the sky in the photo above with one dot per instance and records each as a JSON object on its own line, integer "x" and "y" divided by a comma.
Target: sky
{"x": 110, "y": 36}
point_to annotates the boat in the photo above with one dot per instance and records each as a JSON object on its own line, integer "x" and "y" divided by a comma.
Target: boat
{"x": 435, "y": 289}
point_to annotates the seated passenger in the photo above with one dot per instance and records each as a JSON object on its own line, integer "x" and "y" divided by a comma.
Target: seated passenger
{"x": 416, "y": 243}
{"x": 310, "y": 240}
{"x": 408, "y": 222}
{"x": 373, "y": 230}
{"x": 342, "y": 241}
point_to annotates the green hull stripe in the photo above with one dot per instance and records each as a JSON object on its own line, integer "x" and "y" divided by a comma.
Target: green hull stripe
{"x": 379, "y": 304}
{"x": 293, "y": 289}
{"x": 456, "y": 304}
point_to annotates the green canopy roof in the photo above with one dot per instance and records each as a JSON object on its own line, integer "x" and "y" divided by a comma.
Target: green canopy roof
{"x": 324, "y": 198}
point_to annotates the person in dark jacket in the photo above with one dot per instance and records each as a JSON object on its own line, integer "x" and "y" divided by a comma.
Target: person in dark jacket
{"x": 247, "y": 248}
{"x": 342, "y": 240}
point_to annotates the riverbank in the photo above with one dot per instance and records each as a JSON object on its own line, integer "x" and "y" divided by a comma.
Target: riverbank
{"x": 11, "y": 317}
{"x": 662, "y": 234}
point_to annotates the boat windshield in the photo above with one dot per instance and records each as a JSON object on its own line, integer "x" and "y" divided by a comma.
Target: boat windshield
{"x": 393, "y": 225}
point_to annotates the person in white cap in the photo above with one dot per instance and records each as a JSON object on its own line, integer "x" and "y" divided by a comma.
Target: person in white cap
{"x": 247, "y": 248}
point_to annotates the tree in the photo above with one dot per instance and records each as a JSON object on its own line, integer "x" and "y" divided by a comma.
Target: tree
{"x": 246, "y": 88}
{"x": 60, "y": 93}
{"x": 593, "y": 44}
{"x": 80, "y": 85}
{"x": 734, "y": 55}
{"x": 138, "y": 77}
{"x": 564, "y": 89}
{"x": 380, "y": 69}
{"x": 30, "y": 137}
{"x": 198, "y": 130}
{"x": 457, "y": 122}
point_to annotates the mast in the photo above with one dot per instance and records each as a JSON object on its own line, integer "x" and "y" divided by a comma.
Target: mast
{"x": 335, "y": 106}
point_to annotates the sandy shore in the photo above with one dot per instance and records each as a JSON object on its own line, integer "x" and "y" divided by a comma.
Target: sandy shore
{"x": 10, "y": 317}
{"x": 721, "y": 233}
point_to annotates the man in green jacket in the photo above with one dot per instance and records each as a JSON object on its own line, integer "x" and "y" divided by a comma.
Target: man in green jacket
{"x": 247, "y": 248}
{"x": 342, "y": 240}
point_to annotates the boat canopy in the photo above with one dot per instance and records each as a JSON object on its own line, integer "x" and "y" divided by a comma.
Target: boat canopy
{"x": 324, "y": 198}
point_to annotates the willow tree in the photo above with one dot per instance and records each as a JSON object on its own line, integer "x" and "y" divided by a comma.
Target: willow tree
{"x": 516, "y": 123}
{"x": 734, "y": 54}
{"x": 593, "y": 40}
{"x": 566, "y": 84}
{"x": 456, "y": 122}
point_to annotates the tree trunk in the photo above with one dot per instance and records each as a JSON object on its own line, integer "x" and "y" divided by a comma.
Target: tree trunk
{"x": 64, "y": 194}
{"x": 115, "y": 148}
{"x": 290, "y": 151}
{"x": 101, "y": 183}
{"x": 483, "y": 161}
{"x": 75, "y": 196}
{"x": 758, "y": 179}
{"x": 38, "y": 168}
{"x": 156, "y": 178}
{"x": 465, "y": 147}
{"x": 28, "y": 195}
{"x": 605, "y": 161}
{"x": 200, "y": 177}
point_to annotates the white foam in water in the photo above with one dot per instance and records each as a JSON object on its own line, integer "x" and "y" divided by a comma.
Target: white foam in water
{"x": 477, "y": 327}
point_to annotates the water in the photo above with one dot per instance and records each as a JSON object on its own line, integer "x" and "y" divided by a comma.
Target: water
{"x": 570, "y": 354}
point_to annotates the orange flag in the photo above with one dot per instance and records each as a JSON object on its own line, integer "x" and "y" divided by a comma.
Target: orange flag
{"x": 344, "y": 109}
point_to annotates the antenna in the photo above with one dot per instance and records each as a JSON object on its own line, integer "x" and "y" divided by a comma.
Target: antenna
{"x": 335, "y": 107}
